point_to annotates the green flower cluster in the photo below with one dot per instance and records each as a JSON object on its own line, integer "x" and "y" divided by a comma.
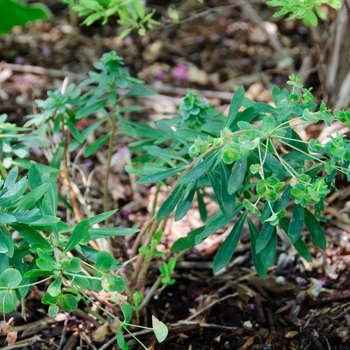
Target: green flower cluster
{"x": 194, "y": 110}
{"x": 306, "y": 193}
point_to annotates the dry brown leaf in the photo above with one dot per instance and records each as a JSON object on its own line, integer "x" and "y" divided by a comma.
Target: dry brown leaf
{"x": 5, "y": 326}
{"x": 11, "y": 338}
{"x": 100, "y": 333}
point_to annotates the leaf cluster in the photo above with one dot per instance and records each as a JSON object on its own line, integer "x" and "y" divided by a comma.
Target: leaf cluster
{"x": 241, "y": 159}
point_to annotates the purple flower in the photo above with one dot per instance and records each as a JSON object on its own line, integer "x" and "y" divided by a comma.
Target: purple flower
{"x": 180, "y": 72}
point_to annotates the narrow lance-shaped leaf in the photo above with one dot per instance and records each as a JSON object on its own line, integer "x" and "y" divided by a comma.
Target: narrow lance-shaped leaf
{"x": 201, "y": 206}
{"x": 315, "y": 229}
{"x": 185, "y": 204}
{"x": 80, "y": 231}
{"x": 163, "y": 153}
{"x": 199, "y": 169}
{"x": 228, "y": 247}
{"x": 170, "y": 203}
{"x": 236, "y": 103}
{"x": 264, "y": 237}
{"x": 296, "y": 223}
{"x": 299, "y": 245}
{"x": 34, "y": 177}
{"x": 228, "y": 203}
{"x": 31, "y": 236}
{"x": 216, "y": 222}
{"x": 94, "y": 147}
{"x": 162, "y": 175}
{"x": 74, "y": 131}
{"x": 237, "y": 176}
{"x": 258, "y": 264}
{"x": 269, "y": 252}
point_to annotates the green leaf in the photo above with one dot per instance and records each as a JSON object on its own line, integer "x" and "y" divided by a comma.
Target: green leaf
{"x": 185, "y": 203}
{"x": 80, "y": 231}
{"x": 10, "y": 179}
{"x": 201, "y": 206}
{"x": 127, "y": 311}
{"x": 160, "y": 329}
{"x": 38, "y": 273}
{"x": 8, "y": 301}
{"x": 85, "y": 133}
{"x": 7, "y": 245}
{"x": 268, "y": 124}
{"x": 10, "y": 278}
{"x": 104, "y": 261}
{"x": 216, "y": 222}
{"x": 103, "y": 232}
{"x": 89, "y": 109}
{"x": 14, "y": 192}
{"x": 53, "y": 310}
{"x": 184, "y": 243}
{"x": 170, "y": 203}
{"x": 269, "y": 252}
{"x": 236, "y": 103}
{"x": 31, "y": 235}
{"x": 159, "y": 176}
{"x": 54, "y": 288}
{"x": 113, "y": 283}
{"x": 94, "y": 147}
{"x": 315, "y": 229}
{"x": 123, "y": 345}
{"x": 163, "y": 153}
{"x": 6, "y": 218}
{"x": 251, "y": 207}
{"x": 34, "y": 177}
{"x": 296, "y": 223}
{"x": 68, "y": 302}
{"x": 101, "y": 217}
{"x": 91, "y": 254}
{"x": 237, "y": 176}
{"x": 199, "y": 169}
{"x": 75, "y": 133}
{"x": 302, "y": 249}
{"x": 74, "y": 265}
{"x": 259, "y": 266}
{"x": 13, "y": 13}
{"x": 228, "y": 247}
{"x": 32, "y": 197}
{"x": 264, "y": 237}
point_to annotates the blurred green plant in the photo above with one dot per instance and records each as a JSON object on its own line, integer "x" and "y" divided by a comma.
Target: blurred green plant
{"x": 14, "y": 13}
{"x": 306, "y": 10}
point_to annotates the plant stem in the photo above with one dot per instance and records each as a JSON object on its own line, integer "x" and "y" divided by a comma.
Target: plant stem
{"x": 113, "y": 123}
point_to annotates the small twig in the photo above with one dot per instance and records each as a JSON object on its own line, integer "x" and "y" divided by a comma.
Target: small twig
{"x": 211, "y": 305}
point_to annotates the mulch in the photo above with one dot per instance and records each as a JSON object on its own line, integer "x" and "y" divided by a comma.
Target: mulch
{"x": 300, "y": 305}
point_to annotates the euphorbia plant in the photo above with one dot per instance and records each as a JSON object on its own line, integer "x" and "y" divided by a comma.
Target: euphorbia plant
{"x": 242, "y": 159}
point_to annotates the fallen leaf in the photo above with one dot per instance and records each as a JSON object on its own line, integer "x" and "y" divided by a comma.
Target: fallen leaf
{"x": 4, "y": 327}
{"x": 11, "y": 338}
{"x": 101, "y": 332}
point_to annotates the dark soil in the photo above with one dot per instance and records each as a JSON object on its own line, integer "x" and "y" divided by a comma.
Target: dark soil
{"x": 299, "y": 305}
